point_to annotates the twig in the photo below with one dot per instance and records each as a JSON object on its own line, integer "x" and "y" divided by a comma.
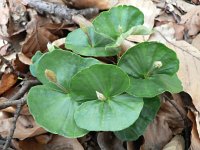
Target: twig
{"x": 25, "y": 87}
{"x": 59, "y": 10}
{"x": 11, "y": 103}
{"x": 12, "y": 130}
{"x": 185, "y": 121}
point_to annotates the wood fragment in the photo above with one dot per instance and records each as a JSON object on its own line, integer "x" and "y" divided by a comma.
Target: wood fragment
{"x": 59, "y": 10}
{"x": 12, "y": 130}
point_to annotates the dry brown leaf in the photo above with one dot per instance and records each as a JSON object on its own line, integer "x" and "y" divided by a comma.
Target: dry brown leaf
{"x": 168, "y": 122}
{"x": 189, "y": 69}
{"x": 107, "y": 141}
{"x": 177, "y": 143}
{"x": 37, "y": 41}
{"x": 4, "y": 115}
{"x": 7, "y": 81}
{"x": 183, "y": 5}
{"x": 196, "y": 42}
{"x": 153, "y": 135}
{"x": 19, "y": 65}
{"x": 101, "y": 4}
{"x": 18, "y": 17}
{"x": 195, "y": 140}
{"x": 4, "y": 11}
{"x": 25, "y": 127}
{"x": 24, "y": 59}
{"x": 166, "y": 30}
{"x": 192, "y": 21}
{"x": 57, "y": 143}
{"x": 179, "y": 31}
{"x": 44, "y": 138}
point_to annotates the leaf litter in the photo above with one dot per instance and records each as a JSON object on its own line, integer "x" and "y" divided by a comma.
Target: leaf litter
{"x": 179, "y": 29}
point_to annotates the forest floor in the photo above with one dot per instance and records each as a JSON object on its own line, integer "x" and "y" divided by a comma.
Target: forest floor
{"x": 27, "y": 26}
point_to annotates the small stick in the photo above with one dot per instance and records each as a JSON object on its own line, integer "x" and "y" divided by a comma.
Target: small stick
{"x": 25, "y": 87}
{"x": 12, "y": 130}
{"x": 59, "y": 10}
{"x": 11, "y": 103}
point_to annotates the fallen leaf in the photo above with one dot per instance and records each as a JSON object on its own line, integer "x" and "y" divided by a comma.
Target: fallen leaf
{"x": 196, "y": 42}
{"x": 166, "y": 30}
{"x": 108, "y": 141}
{"x": 18, "y": 17}
{"x": 168, "y": 122}
{"x": 19, "y": 65}
{"x": 37, "y": 41}
{"x": 43, "y": 139}
{"x": 189, "y": 69}
{"x": 179, "y": 31}
{"x": 4, "y": 115}
{"x": 195, "y": 139}
{"x": 24, "y": 59}
{"x": 185, "y": 6}
{"x": 192, "y": 21}
{"x": 57, "y": 143}
{"x": 25, "y": 127}
{"x": 177, "y": 143}
{"x": 4, "y": 11}
{"x": 7, "y": 81}
{"x": 101, "y": 4}
{"x": 153, "y": 135}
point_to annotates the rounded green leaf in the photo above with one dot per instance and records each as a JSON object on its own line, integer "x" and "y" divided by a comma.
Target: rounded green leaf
{"x": 54, "y": 111}
{"x": 108, "y": 80}
{"x": 64, "y": 65}
{"x": 118, "y": 20}
{"x": 114, "y": 114}
{"x": 154, "y": 85}
{"x": 89, "y": 43}
{"x": 152, "y": 67}
{"x": 148, "y": 113}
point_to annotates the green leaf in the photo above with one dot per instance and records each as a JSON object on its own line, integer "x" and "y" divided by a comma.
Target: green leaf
{"x": 135, "y": 30}
{"x": 89, "y": 43}
{"x": 148, "y": 113}
{"x": 35, "y": 59}
{"x": 118, "y": 20}
{"x": 50, "y": 104}
{"x": 64, "y": 64}
{"x": 100, "y": 86}
{"x": 54, "y": 111}
{"x": 152, "y": 69}
{"x": 114, "y": 114}
{"x": 107, "y": 79}
{"x": 154, "y": 85}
